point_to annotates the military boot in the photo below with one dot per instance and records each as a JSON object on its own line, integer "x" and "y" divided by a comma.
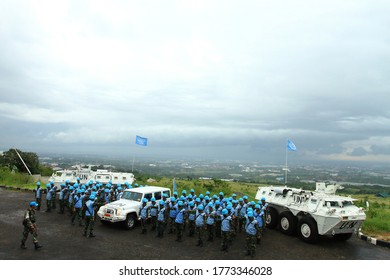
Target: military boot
{"x": 37, "y": 246}
{"x": 23, "y": 246}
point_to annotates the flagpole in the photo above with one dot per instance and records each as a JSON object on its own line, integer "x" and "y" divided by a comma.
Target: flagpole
{"x": 132, "y": 164}
{"x": 285, "y": 176}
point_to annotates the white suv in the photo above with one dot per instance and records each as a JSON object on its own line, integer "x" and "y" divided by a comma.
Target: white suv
{"x": 126, "y": 209}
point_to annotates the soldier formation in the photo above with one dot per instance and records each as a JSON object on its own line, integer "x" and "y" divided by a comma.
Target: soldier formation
{"x": 211, "y": 216}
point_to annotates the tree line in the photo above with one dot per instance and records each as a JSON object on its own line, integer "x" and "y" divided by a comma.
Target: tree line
{"x": 12, "y": 161}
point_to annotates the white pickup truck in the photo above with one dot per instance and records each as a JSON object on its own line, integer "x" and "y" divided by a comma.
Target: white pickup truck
{"x": 126, "y": 209}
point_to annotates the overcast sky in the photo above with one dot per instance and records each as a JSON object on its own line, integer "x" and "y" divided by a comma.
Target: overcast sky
{"x": 205, "y": 79}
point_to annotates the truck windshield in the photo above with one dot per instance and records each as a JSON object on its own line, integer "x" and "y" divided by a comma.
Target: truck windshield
{"x": 347, "y": 203}
{"x": 132, "y": 196}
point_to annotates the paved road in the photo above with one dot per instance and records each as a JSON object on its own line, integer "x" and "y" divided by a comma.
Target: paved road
{"x": 62, "y": 241}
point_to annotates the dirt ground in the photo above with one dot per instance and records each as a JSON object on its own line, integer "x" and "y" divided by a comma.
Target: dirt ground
{"x": 62, "y": 241}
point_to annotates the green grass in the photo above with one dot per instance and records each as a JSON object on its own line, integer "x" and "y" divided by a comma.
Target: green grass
{"x": 378, "y": 214}
{"x": 15, "y": 179}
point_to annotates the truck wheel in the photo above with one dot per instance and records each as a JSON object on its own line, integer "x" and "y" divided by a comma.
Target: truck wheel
{"x": 308, "y": 230}
{"x": 103, "y": 222}
{"x": 272, "y": 218}
{"x": 342, "y": 236}
{"x": 288, "y": 223}
{"x": 130, "y": 221}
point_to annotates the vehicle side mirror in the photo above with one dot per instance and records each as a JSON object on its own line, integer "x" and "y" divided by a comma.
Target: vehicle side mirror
{"x": 328, "y": 204}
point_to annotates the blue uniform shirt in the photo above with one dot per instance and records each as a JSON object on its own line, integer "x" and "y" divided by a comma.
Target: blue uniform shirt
{"x": 250, "y": 226}
{"x": 144, "y": 211}
{"x": 89, "y": 211}
{"x": 199, "y": 221}
{"x": 38, "y": 193}
{"x": 78, "y": 201}
{"x": 180, "y": 217}
{"x": 225, "y": 225}
{"x": 161, "y": 215}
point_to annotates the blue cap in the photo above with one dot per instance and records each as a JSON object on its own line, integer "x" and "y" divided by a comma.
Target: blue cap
{"x": 161, "y": 202}
{"x": 224, "y": 212}
{"x": 250, "y": 214}
{"x": 192, "y": 190}
{"x": 33, "y": 203}
{"x": 153, "y": 199}
{"x": 173, "y": 199}
{"x": 184, "y": 192}
{"x": 180, "y": 203}
{"x": 221, "y": 193}
{"x": 92, "y": 197}
{"x": 144, "y": 200}
{"x": 200, "y": 207}
{"x": 263, "y": 198}
{"x": 38, "y": 183}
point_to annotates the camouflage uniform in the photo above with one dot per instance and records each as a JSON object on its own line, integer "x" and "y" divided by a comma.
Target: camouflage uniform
{"x": 49, "y": 195}
{"x": 153, "y": 215}
{"x": 144, "y": 214}
{"x": 226, "y": 228}
{"x": 89, "y": 217}
{"x": 38, "y": 197}
{"x": 76, "y": 209}
{"x": 200, "y": 222}
{"x": 179, "y": 221}
{"x": 252, "y": 229}
{"x": 54, "y": 198}
{"x": 191, "y": 212}
{"x": 30, "y": 227}
{"x": 161, "y": 220}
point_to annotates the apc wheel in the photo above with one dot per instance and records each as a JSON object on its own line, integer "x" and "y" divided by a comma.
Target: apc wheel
{"x": 103, "y": 222}
{"x": 343, "y": 236}
{"x": 308, "y": 230}
{"x": 130, "y": 221}
{"x": 272, "y": 218}
{"x": 288, "y": 223}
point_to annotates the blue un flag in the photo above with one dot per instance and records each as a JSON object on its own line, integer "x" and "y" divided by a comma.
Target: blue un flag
{"x": 291, "y": 146}
{"x": 142, "y": 141}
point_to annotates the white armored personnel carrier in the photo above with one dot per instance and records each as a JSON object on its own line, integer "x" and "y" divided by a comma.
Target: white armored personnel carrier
{"x": 311, "y": 213}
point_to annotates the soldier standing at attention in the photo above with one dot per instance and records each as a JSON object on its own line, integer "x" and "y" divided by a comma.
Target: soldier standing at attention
{"x": 38, "y": 195}
{"x": 49, "y": 195}
{"x": 179, "y": 221}
{"x": 144, "y": 214}
{"x": 211, "y": 221}
{"x": 89, "y": 216}
{"x": 76, "y": 207}
{"x": 242, "y": 213}
{"x": 29, "y": 226}
{"x": 218, "y": 218}
{"x": 191, "y": 213}
{"x": 161, "y": 219}
{"x": 153, "y": 213}
{"x": 61, "y": 199}
{"x": 226, "y": 227}
{"x": 54, "y": 195}
{"x": 172, "y": 214}
{"x": 251, "y": 228}
{"x": 200, "y": 223}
